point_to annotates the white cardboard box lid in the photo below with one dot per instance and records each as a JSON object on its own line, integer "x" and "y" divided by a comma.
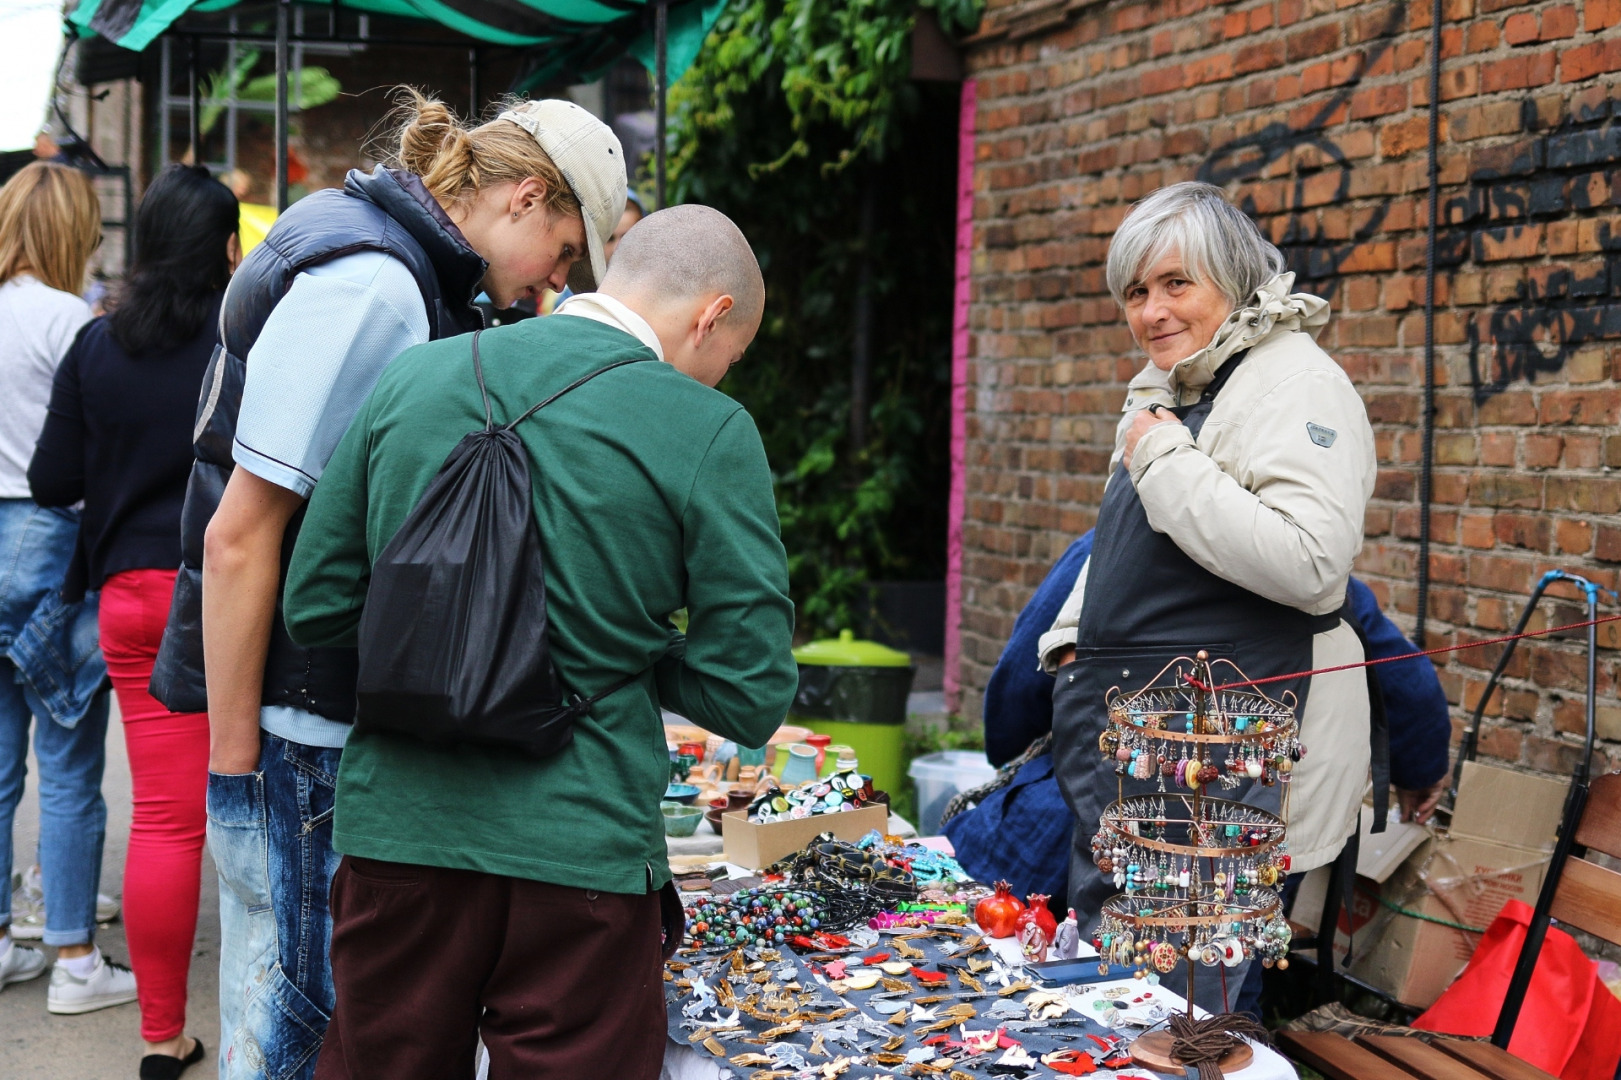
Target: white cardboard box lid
{"x": 1381, "y": 853}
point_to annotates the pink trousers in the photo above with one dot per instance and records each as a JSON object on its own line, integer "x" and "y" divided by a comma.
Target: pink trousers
{"x": 168, "y": 761}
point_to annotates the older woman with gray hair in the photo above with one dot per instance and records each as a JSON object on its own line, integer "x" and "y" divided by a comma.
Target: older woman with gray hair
{"x": 1241, "y": 471}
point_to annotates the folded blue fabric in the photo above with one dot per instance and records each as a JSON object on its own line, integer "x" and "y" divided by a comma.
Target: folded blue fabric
{"x": 1020, "y": 833}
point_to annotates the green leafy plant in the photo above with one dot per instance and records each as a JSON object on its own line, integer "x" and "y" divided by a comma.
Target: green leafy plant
{"x": 220, "y": 85}
{"x": 308, "y": 88}
{"x": 800, "y": 121}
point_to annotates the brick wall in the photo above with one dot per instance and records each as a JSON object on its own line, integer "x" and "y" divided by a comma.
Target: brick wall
{"x": 1313, "y": 115}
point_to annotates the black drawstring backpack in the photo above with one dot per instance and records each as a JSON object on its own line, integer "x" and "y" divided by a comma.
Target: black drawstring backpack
{"x": 453, "y": 646}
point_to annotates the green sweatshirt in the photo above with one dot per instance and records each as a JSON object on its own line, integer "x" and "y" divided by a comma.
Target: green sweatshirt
{"x": 652, "y": 494}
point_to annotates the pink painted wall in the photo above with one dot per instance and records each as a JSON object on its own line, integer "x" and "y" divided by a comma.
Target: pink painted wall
{"x": 959, "y": 389}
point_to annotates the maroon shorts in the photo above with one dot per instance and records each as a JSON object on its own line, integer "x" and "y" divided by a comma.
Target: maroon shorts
{"x": 559, "y": 982}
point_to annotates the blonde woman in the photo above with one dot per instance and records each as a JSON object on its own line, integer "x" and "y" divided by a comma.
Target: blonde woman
{"x": 341, "y": 285}
{"x": 50, "y": 222}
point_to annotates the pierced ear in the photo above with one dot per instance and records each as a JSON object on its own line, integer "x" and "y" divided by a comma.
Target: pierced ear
{"x": 530, "y": 194}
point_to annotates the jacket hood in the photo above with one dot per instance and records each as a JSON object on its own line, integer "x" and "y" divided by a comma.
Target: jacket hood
{"x": 1275, "y": 310}
{"x": 402, "y": 196}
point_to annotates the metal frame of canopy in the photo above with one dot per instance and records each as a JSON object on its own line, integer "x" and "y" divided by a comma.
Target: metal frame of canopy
{"x": 284, "y": 39}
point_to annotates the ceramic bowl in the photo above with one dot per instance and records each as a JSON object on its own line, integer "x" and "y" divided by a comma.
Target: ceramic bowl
{"x": 681, "y": 793}
{"x": 680, "y": 819}
{"x": 717, "y": 807}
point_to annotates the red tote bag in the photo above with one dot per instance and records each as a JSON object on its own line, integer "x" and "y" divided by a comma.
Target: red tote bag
{"x": 1570, "y": 1025}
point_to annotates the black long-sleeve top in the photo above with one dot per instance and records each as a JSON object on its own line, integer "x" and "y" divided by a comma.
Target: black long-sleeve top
{"x": 118, "y": 436}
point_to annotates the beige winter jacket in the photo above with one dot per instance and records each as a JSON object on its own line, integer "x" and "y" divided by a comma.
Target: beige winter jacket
{"x": 1270, "y": 497}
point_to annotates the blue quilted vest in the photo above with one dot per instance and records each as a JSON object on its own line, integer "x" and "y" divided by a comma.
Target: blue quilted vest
{"x": 386, "y": 210}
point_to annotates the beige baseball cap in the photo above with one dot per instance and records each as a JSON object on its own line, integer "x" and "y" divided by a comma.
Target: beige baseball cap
{"x": 592, "y": 162}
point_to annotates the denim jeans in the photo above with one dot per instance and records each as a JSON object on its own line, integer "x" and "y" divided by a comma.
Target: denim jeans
{"x": 270, "y": 833}
{"x": 35, "y": 546}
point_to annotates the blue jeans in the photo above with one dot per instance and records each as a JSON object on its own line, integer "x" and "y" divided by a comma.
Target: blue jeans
{"x": 35, "y": 547}
{"x": 270, "y": 833}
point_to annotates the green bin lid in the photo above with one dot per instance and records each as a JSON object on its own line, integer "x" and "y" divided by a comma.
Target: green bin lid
{"x": 846, "y": 651}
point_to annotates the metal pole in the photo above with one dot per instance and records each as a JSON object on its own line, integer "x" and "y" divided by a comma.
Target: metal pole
{"x": 230, "y": 102}
{"x": 1426, "y": 475}
{"x": 130, "y": 239}
{"x": 196, "y": 105}
{"x": 282, "y": 8}
{"x": 166, "y": 82}
{"x": 661, "y": 91}
{"x": 473, "y": 98}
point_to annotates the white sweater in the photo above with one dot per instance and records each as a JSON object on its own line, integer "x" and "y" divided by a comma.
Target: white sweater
{"x": 37, "y": 324}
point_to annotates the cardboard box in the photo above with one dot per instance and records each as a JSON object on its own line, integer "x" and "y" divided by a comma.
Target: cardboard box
{"x": 1502, "y": 831}
{"x": 756, "y": 846}
{"x": 1502, "y": 806}
{"x": 1412, "y": 953}
{"x": 1379, "y": 856}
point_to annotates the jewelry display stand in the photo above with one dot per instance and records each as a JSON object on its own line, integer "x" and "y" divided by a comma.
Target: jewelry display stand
{"x": 1198, "y": 871}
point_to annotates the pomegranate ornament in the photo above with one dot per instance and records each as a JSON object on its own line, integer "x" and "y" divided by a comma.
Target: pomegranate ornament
{"x": 1038, "y": 913}
{"x": 998, "y": 913}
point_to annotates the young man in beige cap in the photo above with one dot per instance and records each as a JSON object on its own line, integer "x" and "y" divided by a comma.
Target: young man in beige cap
{"x": 487, "y": 892}
{"x": 342, "y": 284}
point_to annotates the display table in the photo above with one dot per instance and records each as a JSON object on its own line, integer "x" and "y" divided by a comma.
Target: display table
{"x": 686, "y": 1061}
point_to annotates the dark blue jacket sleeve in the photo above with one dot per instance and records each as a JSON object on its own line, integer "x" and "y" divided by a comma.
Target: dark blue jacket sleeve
{"x": 1420, "y": 724}
{"x": 1019, "y": 697}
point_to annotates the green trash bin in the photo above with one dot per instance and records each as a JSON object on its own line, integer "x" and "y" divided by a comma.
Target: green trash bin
{"x": 855, "y": 693}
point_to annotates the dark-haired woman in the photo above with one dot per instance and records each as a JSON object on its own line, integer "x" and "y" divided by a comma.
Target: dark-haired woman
{"x": 118, "y": 436}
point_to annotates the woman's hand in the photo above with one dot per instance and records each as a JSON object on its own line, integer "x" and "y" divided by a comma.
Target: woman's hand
{"x": 1419, "y": 806}
{"x": 1147, "y": 418}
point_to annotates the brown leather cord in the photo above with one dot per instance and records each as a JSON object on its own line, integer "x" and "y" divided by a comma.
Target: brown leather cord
{"x": 1203, "y": 1043}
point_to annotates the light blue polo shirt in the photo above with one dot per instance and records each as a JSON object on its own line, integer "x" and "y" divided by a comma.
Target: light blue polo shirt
{"x": 313, "y": 365}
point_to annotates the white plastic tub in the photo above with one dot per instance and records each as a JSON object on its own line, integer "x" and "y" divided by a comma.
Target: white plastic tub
{"x": 941, "y": 775}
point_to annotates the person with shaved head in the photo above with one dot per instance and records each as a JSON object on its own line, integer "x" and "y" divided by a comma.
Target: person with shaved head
{"x": 528, "y": 900}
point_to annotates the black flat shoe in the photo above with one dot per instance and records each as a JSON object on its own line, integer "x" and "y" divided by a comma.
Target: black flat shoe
{"x": 164, "y": 1067}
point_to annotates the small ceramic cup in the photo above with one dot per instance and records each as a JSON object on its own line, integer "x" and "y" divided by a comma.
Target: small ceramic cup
{"x": 801, "y": 764}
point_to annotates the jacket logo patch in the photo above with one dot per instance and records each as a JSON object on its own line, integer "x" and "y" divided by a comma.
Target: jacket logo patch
{"x": 1322, "y": 436}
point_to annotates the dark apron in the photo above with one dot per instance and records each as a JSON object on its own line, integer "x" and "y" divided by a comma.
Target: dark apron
{"x": 1146, "y": 604}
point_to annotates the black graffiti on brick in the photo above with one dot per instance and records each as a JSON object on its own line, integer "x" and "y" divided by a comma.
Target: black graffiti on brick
{"x": 1315, "y": 259}
{"x": 1539, "y": 180}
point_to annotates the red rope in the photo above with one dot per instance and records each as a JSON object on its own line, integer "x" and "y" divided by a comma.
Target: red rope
{"x": 1196, "y": 684}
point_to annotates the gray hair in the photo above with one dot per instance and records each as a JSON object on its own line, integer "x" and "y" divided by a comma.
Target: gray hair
{"x": 685, "y": 252}
{"x": 1218, "y": 243}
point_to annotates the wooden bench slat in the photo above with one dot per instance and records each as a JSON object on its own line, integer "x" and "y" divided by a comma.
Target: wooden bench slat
{"x": 1495, "y": 1063}
{"x": 1587, "y": 898}
{"x": 1420, "y": 1058}
{"x": 1600, "y": 826}
{"x": 1339, "y": 1058}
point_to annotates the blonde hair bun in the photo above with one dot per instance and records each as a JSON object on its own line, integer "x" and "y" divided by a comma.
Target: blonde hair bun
{"x": 456, "y": 162}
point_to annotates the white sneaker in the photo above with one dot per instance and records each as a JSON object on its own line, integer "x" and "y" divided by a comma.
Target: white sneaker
{"x": 109, "y": 984}
{"x": 28, "y": 906}
{"x": 20, "y": 965}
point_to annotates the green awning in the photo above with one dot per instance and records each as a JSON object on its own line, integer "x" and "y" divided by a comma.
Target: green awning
{"x": 577, "y": 39}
